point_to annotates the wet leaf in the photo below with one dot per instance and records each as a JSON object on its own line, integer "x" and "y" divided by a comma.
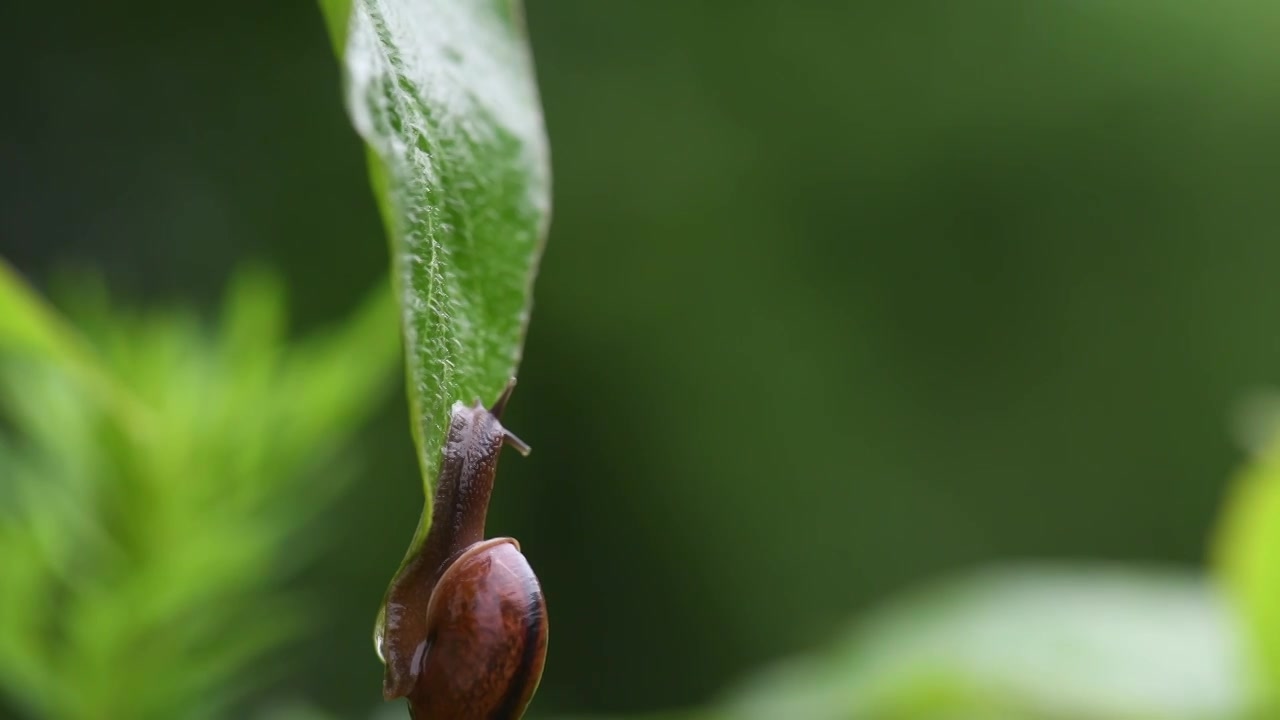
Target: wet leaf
{"x": 443, "y": 93}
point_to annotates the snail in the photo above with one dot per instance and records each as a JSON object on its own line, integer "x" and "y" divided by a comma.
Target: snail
{"x": 464, "y": 627}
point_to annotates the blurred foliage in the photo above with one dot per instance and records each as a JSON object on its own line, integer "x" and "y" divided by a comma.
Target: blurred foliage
{"x": 145, "y": 567}
{"x": 1033, "y": 643}
{"x": 841, "y": 296}
{"x": 1247, "y": 547}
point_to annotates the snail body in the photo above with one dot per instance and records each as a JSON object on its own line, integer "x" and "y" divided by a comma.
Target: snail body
{"x": 464, "y": 635}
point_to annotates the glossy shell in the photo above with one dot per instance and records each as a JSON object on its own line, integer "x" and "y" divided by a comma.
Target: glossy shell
{"x": 486, "y": 638}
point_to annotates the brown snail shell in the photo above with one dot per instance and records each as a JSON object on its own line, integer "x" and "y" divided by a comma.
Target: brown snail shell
{"x": 486, "y": 638}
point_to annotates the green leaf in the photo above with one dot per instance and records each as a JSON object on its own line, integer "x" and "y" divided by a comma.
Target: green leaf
{"x": 1024, "y": 643}
{"x": 443, "y": 92}
{"x": 1247, "y": 559}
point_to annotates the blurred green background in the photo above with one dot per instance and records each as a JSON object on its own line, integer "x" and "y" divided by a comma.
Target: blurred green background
{"x": 838, "y": 297}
